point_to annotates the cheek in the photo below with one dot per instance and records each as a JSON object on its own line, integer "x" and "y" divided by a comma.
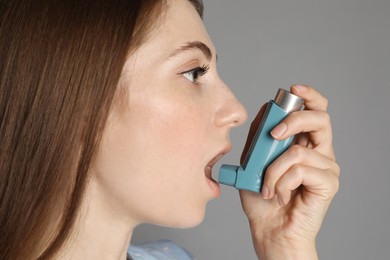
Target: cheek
{"x": 151, "y": 162}
{"x": 175, "y": 147}
{"x": 172, "y": 130}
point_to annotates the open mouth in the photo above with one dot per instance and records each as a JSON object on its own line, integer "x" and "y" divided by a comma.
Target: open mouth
{"x": 209, "y": 166}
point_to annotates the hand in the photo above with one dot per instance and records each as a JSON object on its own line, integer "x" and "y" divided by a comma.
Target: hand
{"x": 298, "y": 186}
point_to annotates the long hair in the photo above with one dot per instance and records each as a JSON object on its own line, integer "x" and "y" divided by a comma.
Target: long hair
{"x": 60, "y": 63}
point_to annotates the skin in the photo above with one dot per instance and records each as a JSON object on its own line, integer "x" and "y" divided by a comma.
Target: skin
{"x": 299, "y": 185}
{"x": 160, "y": 138}
{"x": 151, "y": 165}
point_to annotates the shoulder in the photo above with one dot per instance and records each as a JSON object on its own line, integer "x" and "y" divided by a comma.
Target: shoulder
{"x": 161, "y": 250}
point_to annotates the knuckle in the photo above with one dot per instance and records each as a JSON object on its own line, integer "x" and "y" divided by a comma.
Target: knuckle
{"x": 325, "y": 102}
{"x": 336, "y": 186}
{"x": 337, "y": 170}
{"x": 326, "y": 117}
{"x": 298, "y": 152}
{"x": 333, "y": 184}
{"x": 298, "y": 171}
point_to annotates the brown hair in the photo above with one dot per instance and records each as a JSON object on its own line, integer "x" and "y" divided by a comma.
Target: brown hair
{"x": 59, "y": 69}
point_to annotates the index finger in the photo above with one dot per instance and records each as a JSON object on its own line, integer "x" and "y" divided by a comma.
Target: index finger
{"x": 313, "y": 99}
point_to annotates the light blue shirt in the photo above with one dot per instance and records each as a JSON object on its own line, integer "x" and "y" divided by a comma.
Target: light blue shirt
{"x": 159, "y": 250}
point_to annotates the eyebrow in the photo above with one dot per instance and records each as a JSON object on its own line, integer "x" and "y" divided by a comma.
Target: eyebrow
{"x": 193, "y": 45}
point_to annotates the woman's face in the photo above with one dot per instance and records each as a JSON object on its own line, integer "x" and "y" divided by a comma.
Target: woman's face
{"x": 154, "y": 162}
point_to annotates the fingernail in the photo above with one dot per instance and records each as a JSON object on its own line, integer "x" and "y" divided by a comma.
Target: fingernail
{"x": 265, "y": 192}
{"x": 300, "y": 88}
{"x": 279, "y": 130}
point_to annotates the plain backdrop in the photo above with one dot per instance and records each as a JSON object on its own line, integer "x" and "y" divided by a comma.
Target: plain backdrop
{"x": 342, "y": 48}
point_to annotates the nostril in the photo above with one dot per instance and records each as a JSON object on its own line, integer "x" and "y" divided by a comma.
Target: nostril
{"x": 230, "y": 114}
{"x": 242, "y": 115}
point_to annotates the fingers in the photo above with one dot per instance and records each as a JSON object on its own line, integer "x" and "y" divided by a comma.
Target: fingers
{"x": 303, "y": 121}
{"x": 316, "y": 123}
{"x": 313, "y": 99}
{"x": 295, "y": 156}
{"x": 322, "y": 183}
{"x": 310, "y": 164}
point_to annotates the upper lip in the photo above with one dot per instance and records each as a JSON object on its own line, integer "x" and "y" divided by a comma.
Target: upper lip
{"x": 219, "y": 155}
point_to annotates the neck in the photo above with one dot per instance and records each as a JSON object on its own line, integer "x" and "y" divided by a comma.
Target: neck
{"x": 100, "y": 232}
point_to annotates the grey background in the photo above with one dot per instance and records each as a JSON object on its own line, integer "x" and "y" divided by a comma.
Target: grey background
{"x": 341, "y": 47}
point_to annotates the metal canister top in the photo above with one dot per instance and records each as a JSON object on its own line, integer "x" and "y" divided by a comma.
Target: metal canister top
{"x": 288, "y": 102}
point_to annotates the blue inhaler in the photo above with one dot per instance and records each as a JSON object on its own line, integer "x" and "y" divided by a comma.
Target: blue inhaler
{"x": 264, "y": 149}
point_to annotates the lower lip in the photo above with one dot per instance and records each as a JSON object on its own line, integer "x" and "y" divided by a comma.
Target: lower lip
{"x": 215, "y": 187}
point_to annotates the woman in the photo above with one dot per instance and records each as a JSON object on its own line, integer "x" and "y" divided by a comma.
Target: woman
{"x": 112, "y": 114}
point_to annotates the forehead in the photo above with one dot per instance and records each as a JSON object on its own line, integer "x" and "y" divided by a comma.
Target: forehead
{"x": 179, "y": 24}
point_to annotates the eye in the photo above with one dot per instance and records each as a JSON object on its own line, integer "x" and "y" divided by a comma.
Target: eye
{"x": 193, "y": 74}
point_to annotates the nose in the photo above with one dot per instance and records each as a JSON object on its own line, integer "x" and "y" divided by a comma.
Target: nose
{"x": 230, "y": 111}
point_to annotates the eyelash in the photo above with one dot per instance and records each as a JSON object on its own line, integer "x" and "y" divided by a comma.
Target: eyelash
{"x": 196, "y": 73}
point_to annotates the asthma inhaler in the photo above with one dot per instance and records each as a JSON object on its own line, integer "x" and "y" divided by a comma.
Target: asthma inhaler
{"x": 264, "y": 149}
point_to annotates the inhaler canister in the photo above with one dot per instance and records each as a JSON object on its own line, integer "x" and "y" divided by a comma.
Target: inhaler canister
{"x": 264, "y": 149}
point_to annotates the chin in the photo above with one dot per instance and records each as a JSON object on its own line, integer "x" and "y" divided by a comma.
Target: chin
{"x": 191, "y": 223}
{"x": 186, "y": 219}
